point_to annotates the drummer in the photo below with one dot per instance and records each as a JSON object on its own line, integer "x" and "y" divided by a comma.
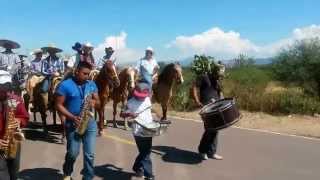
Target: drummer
{"x": 209, "y": 89}
{"x": 139, "y": 106}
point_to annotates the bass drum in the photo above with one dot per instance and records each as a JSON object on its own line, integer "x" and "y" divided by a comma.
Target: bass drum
{"x": 220, "y": 114}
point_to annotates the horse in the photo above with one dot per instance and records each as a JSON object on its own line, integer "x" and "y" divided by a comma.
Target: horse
{"x": 44, "y": 101}
{"x": 106, "y": 80}
{"x": 162, "y": 89}
{"x": 128, "y": 77}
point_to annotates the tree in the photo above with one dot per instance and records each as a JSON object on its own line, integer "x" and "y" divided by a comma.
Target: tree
{"x": 243, "y": 61}
{"x": 300, "y": 63}
{"x": 204, "y": 64}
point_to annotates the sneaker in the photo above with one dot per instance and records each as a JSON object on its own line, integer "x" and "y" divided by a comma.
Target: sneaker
{"x": 216, "y": 156}
{"x": 66, "y": 177}
{"x": 204, "y": 156}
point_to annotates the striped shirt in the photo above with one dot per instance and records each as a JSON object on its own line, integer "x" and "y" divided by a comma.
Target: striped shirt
{"x": 51, "y": 66}
{"x": 8, "y": 61}
{"x": 36, "y": 65}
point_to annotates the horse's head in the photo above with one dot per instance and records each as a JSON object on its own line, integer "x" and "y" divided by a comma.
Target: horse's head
{"x": 178, "y": 73}
{"x": 93, "y": 74}
{"x": 110, "y": 71}
{"x": 132, "y": 76}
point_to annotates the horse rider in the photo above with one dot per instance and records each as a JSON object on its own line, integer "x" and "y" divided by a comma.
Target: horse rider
{"x": 87, "y": 55}
{"x": 70, "y": 99}
{"x": 139, "y": 106}
{"x": 75, "y": 58}
{"x": 9, "y": 59}
{"x": 35, "y": 75}
{"x": 52, "y": 67}
{"x": 9, "y": 166}
{"x": 148, "y": 67}
{"x": 208, "y": 87}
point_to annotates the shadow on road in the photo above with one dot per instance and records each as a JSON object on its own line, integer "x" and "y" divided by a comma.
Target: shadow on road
{"x": 34, "y": 132}
{"x": 40, "y": 174}
{"x": 175, "y": 155}
{"x": 110, "y": 171}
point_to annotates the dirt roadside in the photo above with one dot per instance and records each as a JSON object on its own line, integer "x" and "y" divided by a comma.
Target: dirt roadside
{"x": 301, "y": 125}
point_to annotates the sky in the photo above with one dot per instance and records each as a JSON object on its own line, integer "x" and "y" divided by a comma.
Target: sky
{"x": 176, "y": 29}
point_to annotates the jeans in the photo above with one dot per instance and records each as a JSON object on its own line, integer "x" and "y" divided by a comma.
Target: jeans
{"x": 9, "y": 168}
{"x": 208, "y": 143}
{"x": 73, "y": 147}
{"x": 46, "y": 84}
{"x": 143, "y": 160}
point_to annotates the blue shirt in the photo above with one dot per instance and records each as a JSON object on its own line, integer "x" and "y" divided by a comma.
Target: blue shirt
{"x": 75, "y": 94}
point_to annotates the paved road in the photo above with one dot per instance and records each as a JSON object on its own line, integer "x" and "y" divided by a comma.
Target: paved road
{"x": 248, "y": 155}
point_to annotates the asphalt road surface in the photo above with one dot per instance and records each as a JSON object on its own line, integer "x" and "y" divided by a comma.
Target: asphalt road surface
{"x": 248, "y": 155}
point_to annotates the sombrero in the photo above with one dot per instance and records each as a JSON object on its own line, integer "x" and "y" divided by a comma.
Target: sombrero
{"x": 36, "y": 51}
{"x": 51, "y": 48}
{"x": 9, "y": 44}
{"x": 77, "y": 46}
{"x": 109, "y": 49}
{"x": 87, "y": 46}
{"x": 21, "y": 56}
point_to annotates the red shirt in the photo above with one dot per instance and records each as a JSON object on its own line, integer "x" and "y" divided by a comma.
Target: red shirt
{"x": 20, "y": 113}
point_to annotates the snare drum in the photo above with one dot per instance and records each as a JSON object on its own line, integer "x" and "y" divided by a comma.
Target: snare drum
{"x": 220, "y": 114}
{"x": 151, "y": 129}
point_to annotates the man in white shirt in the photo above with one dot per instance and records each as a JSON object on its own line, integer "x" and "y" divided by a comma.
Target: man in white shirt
{"x": 148, "y": 67}
{"x": 35, "y": 75}
{"x": 8, "y": 59}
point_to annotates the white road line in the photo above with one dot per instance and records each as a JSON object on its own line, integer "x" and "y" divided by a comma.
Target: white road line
{"x": 248, "y": 129}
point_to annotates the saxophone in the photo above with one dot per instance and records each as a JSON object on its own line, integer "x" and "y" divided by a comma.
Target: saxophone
{"x": 85, "y": 115}
{"x": 13, "y": 135}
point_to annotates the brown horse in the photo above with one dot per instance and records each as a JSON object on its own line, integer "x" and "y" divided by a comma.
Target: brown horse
{"x": 106, "y": 81}
{"x": 162, "y": 89}
{"x": 43, "y": 102}
{"x": 128, "y": 77}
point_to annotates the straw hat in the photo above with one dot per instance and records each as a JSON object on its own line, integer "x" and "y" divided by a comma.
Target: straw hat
{"x": 51, "y": 48}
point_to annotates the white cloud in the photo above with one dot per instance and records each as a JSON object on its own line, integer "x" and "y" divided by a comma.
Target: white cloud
{"x": 122, "y": 53}
{"x": 227, "y": 45}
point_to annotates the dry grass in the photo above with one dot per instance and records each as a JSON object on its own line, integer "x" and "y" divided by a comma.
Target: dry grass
{"x": 293, "y": 124}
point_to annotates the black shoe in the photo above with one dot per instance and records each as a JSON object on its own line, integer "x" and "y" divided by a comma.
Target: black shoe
{"x": 150, "y": 178}
{"x": 138, "y": 172}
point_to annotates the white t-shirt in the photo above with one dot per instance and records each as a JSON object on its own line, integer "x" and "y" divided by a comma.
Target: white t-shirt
{"x": 149, "y": 65}
{"x": 143, "y": 109}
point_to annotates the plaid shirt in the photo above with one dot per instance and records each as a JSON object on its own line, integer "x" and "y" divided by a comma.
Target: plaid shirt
{"x": 51, "y": 66}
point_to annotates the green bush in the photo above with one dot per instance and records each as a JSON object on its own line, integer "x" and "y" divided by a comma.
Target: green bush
{"x": 248, "y": 85}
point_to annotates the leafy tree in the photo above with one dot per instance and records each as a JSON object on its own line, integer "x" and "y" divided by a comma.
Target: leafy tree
{"x": 204, "y": 64}
{"x": 300, "y": 63}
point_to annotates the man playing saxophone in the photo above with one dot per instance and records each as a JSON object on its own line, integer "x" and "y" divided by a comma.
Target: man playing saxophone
{"x": 13, "y": 115}
{"x": 71, "y": 101}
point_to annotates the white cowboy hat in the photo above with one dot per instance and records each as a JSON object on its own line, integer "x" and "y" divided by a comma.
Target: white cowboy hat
{"x": 5, "y": 77}
{"x": 51, "y": 48}
{"x": 87, "y": 46}
{"x": 149, "y": 49}
{"x": 9, "y": 44}
{"x": 36, "y": 51}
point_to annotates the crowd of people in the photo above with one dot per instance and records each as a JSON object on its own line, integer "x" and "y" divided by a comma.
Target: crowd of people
{"x": 70, "y": 96}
